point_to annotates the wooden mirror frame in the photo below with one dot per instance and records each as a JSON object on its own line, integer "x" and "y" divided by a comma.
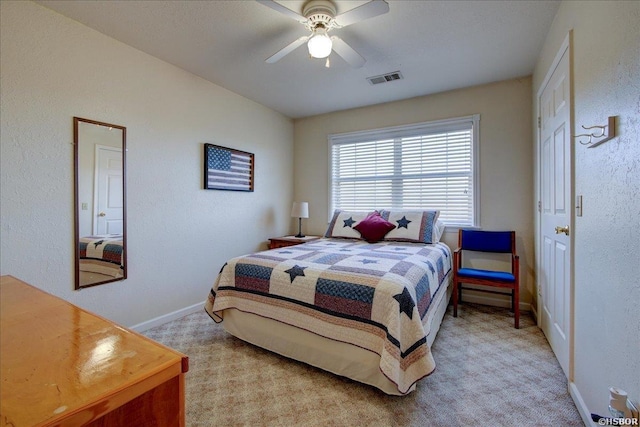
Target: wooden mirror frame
{"x": 77, "y": 246}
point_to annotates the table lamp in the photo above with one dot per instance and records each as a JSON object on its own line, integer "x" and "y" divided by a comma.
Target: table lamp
{"x": 300, "y": 210}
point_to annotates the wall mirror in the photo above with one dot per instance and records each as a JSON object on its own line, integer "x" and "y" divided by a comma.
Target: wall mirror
{"x": 100, "y": 202}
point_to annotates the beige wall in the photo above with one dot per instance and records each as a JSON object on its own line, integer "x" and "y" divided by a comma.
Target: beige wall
{"x": 180, "y": 235}
{"x": 506, "y": 167}
{"x": 606, "y": 82}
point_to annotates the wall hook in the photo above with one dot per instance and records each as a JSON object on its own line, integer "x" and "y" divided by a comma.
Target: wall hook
{"x": 605, "y": 132}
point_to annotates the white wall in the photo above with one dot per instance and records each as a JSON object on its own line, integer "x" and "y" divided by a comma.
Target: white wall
{"x": 506, "y": 167}
{"x": 179, "y": 235}
{"x": 606, "y": 82}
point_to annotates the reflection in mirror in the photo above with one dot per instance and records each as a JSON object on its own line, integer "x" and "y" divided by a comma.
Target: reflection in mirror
{"x": 100, "y": 209}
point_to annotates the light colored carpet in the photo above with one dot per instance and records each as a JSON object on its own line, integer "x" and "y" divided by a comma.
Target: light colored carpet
{"x": 487, "y": 374}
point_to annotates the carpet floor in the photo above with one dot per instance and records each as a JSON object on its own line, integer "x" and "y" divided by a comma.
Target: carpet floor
{"x": 487, "y": 374}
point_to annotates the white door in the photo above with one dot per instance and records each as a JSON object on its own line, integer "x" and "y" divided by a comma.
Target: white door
{"x": 554, "y": 271}
{"x": 109, "y": 191}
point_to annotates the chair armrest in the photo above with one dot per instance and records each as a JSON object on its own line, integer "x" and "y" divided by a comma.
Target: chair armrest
{"x": 457, "y": 259}
{"x": 515, "y": 269}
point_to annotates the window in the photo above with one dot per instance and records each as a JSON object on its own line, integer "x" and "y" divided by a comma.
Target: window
{"x": 423, "y": 166}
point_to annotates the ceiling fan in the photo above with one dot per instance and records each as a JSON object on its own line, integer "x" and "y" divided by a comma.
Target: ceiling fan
{"x": 319, "y": 17}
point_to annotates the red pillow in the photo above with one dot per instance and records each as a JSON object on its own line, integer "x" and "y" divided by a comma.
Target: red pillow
{"x": 373, "y": 228}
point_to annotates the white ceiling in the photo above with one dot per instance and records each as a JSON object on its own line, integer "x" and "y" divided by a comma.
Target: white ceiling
{"x": 436, "y": 45}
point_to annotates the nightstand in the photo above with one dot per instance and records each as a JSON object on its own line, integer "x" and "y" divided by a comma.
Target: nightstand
{"x": 281, "y": 242}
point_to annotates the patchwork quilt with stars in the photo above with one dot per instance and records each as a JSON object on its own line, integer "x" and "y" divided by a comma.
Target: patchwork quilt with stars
{"x": 374, "y": 296}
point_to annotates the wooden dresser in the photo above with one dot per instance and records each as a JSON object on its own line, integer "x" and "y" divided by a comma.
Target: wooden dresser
{"x": 64, "y": 366}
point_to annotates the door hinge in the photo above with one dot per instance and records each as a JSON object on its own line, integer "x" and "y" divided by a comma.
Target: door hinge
{"x": 539, "y": 122}
{"x": 539, "y": 206}
{"x": 579, "y": 206}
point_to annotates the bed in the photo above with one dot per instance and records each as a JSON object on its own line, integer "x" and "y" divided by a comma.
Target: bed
{"x": 365, "y": 310}
{"x": 102, "y": 254}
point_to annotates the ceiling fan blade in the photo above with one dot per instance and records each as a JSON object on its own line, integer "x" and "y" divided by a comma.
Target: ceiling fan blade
{"x": 282, "y": 9}
{"x": 286, "y": 50}
{"x": 347, "y": 53}
{"x": 360, "y": 13}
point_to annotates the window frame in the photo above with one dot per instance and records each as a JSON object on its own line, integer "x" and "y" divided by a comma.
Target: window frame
{"x": 412, "y": 130}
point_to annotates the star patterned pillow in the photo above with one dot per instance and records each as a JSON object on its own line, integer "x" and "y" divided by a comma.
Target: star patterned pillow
{"x": 412, "y": 226}
{"x": 343, "y": 222}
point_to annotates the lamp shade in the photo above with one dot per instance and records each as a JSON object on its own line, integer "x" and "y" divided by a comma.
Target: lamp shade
{"x": 300, "y": 210}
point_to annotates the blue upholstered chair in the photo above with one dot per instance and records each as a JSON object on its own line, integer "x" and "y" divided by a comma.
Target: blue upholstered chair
{"x": 487, "y": 241}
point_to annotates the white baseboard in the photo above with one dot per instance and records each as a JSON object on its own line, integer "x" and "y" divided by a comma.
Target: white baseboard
{"x": 581, "y": 406}
{"x": 165, "y": 318}
{"x": 469, "y": 296}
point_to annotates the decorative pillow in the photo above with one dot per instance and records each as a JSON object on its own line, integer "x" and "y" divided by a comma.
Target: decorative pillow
{"x": 343, "y": 222}
{"x": 412, "y": 226}
{"x": 438, "y": 231}
{"x": 373, "y": 228}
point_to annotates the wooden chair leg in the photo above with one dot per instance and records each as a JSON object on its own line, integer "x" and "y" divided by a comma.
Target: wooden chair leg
{"x": 513, "y": 300}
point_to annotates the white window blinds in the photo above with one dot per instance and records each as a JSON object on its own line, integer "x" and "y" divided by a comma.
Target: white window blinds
{"x": 425, "y": 166}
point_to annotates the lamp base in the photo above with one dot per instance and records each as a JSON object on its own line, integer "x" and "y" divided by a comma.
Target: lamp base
{"x": 299, "y": 235}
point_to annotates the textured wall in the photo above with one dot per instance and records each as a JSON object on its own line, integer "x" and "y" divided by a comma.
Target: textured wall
{"x": 179, "y": 235}
{"x": 606, "y": 80}
{"x": 506, "y": 169}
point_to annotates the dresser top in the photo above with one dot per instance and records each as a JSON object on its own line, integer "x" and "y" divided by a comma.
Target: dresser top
{"x": 57, "y": 359}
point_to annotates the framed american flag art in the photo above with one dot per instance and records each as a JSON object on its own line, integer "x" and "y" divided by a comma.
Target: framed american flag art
{"x": 227, "y": 169}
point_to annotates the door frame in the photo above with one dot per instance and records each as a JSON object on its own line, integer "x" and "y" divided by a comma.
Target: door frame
{"x": 565, "y": 47}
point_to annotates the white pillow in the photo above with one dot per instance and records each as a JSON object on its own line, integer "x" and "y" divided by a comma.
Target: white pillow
{"x": 438, "y": 231}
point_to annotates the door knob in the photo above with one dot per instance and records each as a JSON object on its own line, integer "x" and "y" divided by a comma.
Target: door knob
{"x": 104, "y": 214}
{"x": 564, "y": 230}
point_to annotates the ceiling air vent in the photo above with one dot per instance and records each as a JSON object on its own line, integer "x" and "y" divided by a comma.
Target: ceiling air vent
{"x": 384, "y": 78}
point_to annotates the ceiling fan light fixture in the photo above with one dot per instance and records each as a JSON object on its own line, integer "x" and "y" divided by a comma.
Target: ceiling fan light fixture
{"x": 319, "y": 44}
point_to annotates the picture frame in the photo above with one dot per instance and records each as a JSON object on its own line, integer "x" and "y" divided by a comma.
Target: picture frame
{"x": 228, "y": 169}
